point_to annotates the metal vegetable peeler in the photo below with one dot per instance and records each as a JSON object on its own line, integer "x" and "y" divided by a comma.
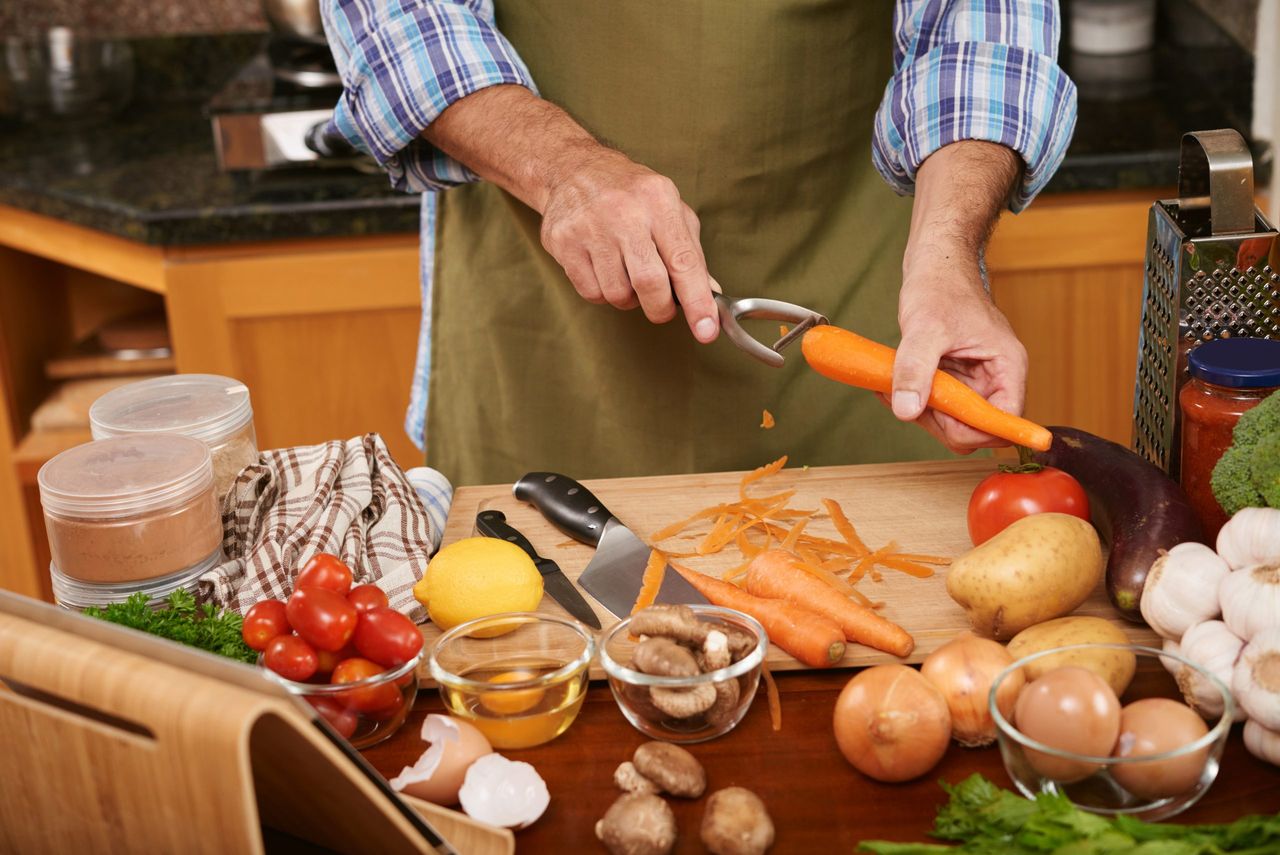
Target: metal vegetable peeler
{"x": 732, "y": 310}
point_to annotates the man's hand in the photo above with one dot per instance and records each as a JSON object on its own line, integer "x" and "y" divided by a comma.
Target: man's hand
{"x": 944, "y": 311}
{"x": 620, "y": 230}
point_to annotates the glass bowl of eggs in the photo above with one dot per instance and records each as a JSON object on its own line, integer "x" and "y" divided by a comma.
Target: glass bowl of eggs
{"x": 1112, "y": 748}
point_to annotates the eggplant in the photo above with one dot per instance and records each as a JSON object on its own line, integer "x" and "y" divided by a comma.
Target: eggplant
{"x": 1138, "y": 509}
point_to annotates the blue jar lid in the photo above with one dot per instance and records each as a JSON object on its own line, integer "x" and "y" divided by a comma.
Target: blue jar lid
{"x": 1242, "y": 363}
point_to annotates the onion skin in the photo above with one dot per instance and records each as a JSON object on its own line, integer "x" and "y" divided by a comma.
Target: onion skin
{"x": 963, "y": 670}
{"x": 891, "y": 723}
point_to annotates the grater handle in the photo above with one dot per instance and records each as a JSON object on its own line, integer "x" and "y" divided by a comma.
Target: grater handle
{"x": 1215, "y": 169}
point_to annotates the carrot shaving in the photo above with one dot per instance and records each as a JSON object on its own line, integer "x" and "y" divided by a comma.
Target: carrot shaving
{"x": 763, "y": 472}
{"x": 923, "y": 559}
{"x": 771, "y": 690}
{"x": 782, "y": 330}
{"x": 842, "y": 524}
{"x": 654, "y": 570}
{"x": 766, "y": 421}
{"x": 869, "y": 562}
{"x": 911, "y": 568}
{"x": 720, "y": 534}
{"x": 677, "y": 527}
{"x": 794, "y": 535}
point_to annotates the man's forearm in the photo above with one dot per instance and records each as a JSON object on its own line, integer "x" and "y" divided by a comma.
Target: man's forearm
{"x": 511, "y": 137}
{"x": 960, "y": 191}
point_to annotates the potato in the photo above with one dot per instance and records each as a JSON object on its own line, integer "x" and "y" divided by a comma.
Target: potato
{"x": 1040, "y": 567}
{"x": 1114, "y": 666}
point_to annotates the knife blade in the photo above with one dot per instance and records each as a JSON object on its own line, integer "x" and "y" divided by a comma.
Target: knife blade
{"x": 616, "y": 572}
{"x": 554, "y": 582}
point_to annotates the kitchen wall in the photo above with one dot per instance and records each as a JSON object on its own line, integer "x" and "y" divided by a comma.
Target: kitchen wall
{"x": 131, "y": 17}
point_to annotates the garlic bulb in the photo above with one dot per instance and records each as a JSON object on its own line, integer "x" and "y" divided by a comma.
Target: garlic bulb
{"x": 1262, "y": 743}
{"x": 1211, "y": 646}
{"x": 1256, "y": 679}
{"x": 1250, "y": 599}
{"x": 1173, "y": 666}
{"x": 1182, "y": 589}
{"x": 1251, "y": 537}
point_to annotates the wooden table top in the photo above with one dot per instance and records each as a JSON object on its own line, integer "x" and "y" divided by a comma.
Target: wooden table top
{"x": 818, "y": 801}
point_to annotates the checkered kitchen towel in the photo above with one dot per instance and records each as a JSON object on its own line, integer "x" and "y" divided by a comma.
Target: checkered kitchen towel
{"x": 345, "y": 498}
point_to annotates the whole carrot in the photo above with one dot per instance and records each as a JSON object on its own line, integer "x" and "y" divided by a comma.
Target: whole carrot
{"x": 812, "y": 638}
{"x": 773, "y": 573}
{"x": 849, "y": 358}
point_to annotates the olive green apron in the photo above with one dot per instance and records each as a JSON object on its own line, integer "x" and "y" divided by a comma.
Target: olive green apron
{"x": 761, "y": 112}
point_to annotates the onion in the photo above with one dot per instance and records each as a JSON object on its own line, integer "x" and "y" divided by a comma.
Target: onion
{"x": 891, "y": 723}
{"x": 963, "y": 670}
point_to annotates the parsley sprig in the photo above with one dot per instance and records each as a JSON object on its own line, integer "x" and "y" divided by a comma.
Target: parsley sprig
{"x": 205, "y": 627}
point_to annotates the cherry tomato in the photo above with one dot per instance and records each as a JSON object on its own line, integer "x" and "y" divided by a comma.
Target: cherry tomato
{"x": 324, "y": 619}
{"x": 366, "y": 597}
{"x": 1011, "y": 494}
{"x": 387, "y": 637}
{"x": 328, "y": 659}
{"x": 339, "y": 717}
{"x": 366, "y": 698}
{"x": 325, "y": 571}
{"x": 290, "y": 657}
{"x": 263, "y": 622}
{"x": 387, "y": 713}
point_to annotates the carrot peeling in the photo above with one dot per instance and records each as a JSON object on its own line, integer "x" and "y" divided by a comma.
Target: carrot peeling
{"x": 843, "y": 526}
{"x": 766, "y": 420}
{"x": 654, "y": 571}
{"x": 771, "y": 690}
{"x": 847, "y": 357}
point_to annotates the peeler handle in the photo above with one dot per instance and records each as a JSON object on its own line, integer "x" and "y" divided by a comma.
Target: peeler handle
{"x": 1216, "y": 170}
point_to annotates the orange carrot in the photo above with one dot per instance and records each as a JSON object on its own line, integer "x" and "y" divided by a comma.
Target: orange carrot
{"x": 849, "y": 358}
{"x": 652, "y": 580}
{"x": 775, "y": 574}
{"x": 814, "y": 639}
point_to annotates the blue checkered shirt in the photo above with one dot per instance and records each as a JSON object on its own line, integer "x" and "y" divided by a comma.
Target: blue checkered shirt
{"x": 963, "y": 70}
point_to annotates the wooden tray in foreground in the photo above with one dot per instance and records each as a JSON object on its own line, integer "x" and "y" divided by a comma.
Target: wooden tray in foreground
{"x": 920, "y": 505}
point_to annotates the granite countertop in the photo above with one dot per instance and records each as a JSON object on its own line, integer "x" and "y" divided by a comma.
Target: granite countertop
{"x": 151, "y": 175}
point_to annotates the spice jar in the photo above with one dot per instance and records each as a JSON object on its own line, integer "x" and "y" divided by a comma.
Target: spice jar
{"x": 131, "y": 508}
{"x": 205, "y": 406}
{"x": 1228, "y": 377}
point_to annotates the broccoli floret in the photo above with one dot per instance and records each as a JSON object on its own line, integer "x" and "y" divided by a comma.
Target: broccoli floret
{"x": 1232, "y": 481}
{"x": 1264, "y": 466}
{"x": 1258, "y": 423}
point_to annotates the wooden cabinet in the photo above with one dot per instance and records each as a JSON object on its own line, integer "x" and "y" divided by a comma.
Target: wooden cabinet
{"x": 323, "y": 332}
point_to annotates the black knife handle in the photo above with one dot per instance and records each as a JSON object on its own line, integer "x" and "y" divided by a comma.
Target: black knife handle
{"x": 569, "y": 506}
{"x": 494, "y": 524}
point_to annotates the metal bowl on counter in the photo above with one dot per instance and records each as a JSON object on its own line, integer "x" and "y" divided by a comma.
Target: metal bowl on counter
{"x": 366, "y": 711}
{"x": 652, "y": 703}
{"x": 519, "y": 677}
{"x": 1148, "y": 775}
{"x": 65, "y": 76}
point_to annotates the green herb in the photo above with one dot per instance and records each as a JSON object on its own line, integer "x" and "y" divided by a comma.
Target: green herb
{"x": 983, "y": 818}
{"x": 205, "y": 627}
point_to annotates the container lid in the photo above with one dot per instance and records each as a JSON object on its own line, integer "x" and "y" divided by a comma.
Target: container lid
{"x": 78, "y": 594}
{"x": 205, "y": 406}
{"x": 125, "y": 475}
{"x": 1242, "y": 363}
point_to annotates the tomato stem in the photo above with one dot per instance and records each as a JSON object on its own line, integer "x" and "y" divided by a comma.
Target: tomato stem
{"x": 1026, "y": 465}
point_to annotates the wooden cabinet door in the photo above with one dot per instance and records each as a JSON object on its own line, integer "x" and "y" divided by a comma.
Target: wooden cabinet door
{"x": 324, "y": 333}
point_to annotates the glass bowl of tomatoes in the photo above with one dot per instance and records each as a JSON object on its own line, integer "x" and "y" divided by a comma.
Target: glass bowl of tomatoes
{"x": 342, "y": 648}
{"x": 368, "y": 705}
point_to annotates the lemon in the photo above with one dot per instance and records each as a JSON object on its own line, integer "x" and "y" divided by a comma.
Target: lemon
{"x": 477, "y": 577}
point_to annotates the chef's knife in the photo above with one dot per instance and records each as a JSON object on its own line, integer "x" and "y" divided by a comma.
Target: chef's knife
{"x": 494, "y": 524}
{"x": 616, "y": 572}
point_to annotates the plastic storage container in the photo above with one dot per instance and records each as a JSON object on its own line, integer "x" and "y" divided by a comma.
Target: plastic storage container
{"x": 74, "y": 594}
{"x": 131, "y": 509}
{"x": 205, "y": 406}
{"x": 1228, "y": 377}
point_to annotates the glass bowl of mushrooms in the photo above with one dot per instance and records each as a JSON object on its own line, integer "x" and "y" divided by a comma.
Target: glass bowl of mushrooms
{"x": 684, "y": 673}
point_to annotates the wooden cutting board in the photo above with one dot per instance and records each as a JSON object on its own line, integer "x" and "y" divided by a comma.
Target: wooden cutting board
{"x": 920, "y": 505}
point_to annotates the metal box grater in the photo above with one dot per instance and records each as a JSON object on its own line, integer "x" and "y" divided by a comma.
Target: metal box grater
{"x": 1212, "y": 271}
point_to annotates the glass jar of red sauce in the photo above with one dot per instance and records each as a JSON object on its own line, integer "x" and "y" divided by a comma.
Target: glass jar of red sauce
{"x": 1228, "y": 377}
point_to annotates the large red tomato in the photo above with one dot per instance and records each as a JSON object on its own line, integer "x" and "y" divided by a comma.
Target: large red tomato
{"x": 1013, "y": 493}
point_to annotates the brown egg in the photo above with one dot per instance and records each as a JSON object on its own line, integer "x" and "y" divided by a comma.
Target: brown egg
{"x": 1070, "y": 709}
{"x": 438, "y": 774}
{"x": 1154, "y": 726}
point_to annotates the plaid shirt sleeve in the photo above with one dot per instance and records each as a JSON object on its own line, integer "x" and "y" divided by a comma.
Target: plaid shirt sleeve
{"x": 402, "y": 63}
{"x": 975, "y": 70}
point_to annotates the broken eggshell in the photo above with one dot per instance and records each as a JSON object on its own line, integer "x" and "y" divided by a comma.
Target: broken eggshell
{"x": 503, "y": 792}
{"x": 438, "y": 774}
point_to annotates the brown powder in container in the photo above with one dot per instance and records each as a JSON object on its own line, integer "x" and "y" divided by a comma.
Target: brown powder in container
{"x": 130, "y": 508}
